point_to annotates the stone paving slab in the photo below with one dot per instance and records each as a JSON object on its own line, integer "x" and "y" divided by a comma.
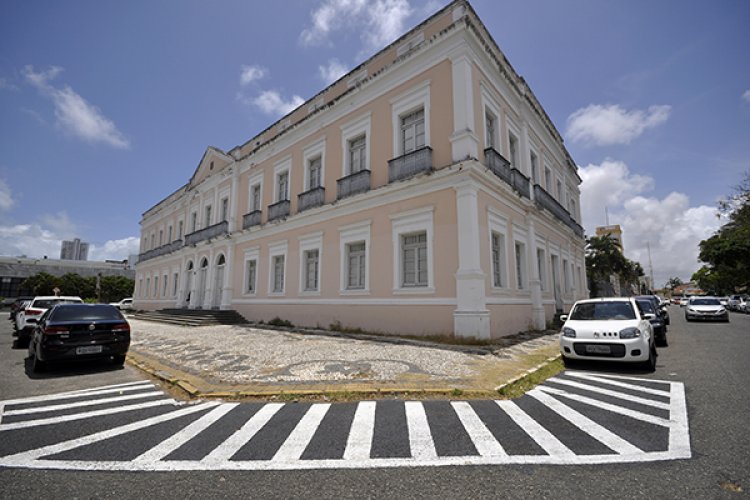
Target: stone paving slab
{"x": 240, "y": 360}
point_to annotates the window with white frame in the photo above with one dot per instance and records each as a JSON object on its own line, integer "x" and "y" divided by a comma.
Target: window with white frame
{"x": 356, "y": 265}
{"x": 140, "y": 288}
{"x": 169, "y": 234}
{"x": 566, "y": 275}
{"x": 355, "y": 147}
{"x": 314, "y": 159}
{"x": 490, "y": 129}
{"x": 313, "y": 172}
{"x": 311, "y": 269}
{"x": 282, "y": 186}
{"x": 164, "y": 286}
{"x": 224, "y": 209}
{"x": 534, "y": 167}
{"x": 412, "y": 131}
{"x": 578, "y": 278}
{"x": 251, "y": 275}
{"x": 207, "y": 220}
{"x": 148, "y": 287}
{"x": 412, "y": 246}
{"x": 357, "y": 152}
{"x": 497, "y": 241}
{"x": 520, "y": 251}
{"x": 156, "y": 286}
{"x": 255, "y": 197}
{"x": 513, "y": 149}
{"x": 354, "y": 246}
{"x": 161, "y": 237}
{"x": 542, "y": 266}
{"x": 153, "y": 241}
{"x": 175, "y": 282}
{"x": 180, "y": 228}
{"x": 193, "y": 222}
{"x": 278, "y": 274}
{"x": 559, "y": 194}
{"x": 573, "y": 210}
{"x": 548, "y": 180}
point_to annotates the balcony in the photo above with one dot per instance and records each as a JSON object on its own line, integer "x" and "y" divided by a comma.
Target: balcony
{"x": 207, "y": 233}
{"x": 278, "y": 210}
{"x": 251, "y": 219}
{"x": 498, "y": 165}
{"x": 159, "y": 251}
{"x": 315, "y": 197}
{"x": 410, "y": 164}
{"x": 520, "y": 182}
{"x": 358, "y": 182}
{"x": 545, "y": 200}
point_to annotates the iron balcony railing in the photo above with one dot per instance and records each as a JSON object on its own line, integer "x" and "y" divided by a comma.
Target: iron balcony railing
{"x": 315, "y": 197}
{"x": 545, "y": 200}
{"x": 159, "y": 251}
{"x": 410, "y": 164}
{"x": 520, "y": 182}
{"x": 207, "y": 233}
{"x": 358, "y": 182}
{"x": 278, "y": 210}
{"x": 251, "y": 219}
{"x": 498, "y": 165}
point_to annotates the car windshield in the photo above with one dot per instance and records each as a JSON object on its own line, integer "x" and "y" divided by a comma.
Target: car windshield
{"x": 646, "y": 306}
{"x": 705, "y": 302}
{"x": 595, "y": 311}
{"x": 47, "y": 303}
{"x": 85, "y": 313}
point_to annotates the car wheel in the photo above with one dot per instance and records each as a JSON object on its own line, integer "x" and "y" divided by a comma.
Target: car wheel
{"x": 118, "y": 360}
{"x": 662, "y": 341}
{"x": 567, "y": 362}
{"x": 650, "y": 364}
{"x": 37, "y": 365}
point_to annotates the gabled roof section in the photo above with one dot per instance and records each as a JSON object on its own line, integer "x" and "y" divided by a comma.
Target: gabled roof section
{"x": 213, "y": 160}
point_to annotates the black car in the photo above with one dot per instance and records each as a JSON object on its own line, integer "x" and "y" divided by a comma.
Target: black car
{"x": 658, "y": 325}
{"x": 79, "y": 332}
{"x": 661, "y": 310}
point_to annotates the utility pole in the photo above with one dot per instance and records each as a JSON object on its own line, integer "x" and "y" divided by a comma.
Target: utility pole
{"x": 650, "y": 265}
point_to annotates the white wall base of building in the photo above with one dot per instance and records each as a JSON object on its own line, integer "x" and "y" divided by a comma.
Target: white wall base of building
{"x": 467, "y": 324}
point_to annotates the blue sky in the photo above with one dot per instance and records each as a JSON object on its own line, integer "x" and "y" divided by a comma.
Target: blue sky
{"x": 107, "y": 107}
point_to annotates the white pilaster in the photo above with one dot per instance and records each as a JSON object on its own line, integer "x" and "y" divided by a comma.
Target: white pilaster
{"x": 233, "y": 201}
{"x": 227, "y": 291}
{"x": 538, "y": 317}
{"x": 464, "y": 142}
{"x": 471, "y": 318}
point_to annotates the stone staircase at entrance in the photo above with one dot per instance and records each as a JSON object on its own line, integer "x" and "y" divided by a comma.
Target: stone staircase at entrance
{"x": 192, "y": 317}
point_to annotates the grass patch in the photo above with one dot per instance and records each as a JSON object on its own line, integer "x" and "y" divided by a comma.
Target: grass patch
{"x": 525, "y": 384}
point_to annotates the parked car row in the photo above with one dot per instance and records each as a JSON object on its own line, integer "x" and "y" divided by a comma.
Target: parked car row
{"x": 739, "y": 303}
{"x": 64, "y": 328}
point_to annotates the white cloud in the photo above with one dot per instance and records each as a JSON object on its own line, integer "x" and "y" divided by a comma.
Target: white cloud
{"x": 115, "y": 249}
{"x": 332, "y": 71}
{"x": 74, "y": 114}
{"x": 378, "y": 22}
{"x": 271, "y": 103}
{"x": 5, "y": 84}
{"x": 611, "y": 124}
{"x": 6, "y": 197}
{"x": 60, "y": 224}
{"x": 670, "y": 225}
{"x": 249, "y": 74}
{"x": 746, "y": 95}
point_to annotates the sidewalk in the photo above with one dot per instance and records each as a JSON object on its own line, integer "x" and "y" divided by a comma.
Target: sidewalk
{"x": 246, "y": 362}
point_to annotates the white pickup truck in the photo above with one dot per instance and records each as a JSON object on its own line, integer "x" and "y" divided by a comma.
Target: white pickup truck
{"x": 124, "y": 304}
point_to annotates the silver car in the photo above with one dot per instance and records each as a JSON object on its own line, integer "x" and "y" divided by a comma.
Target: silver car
{"x": 705, "y": 308}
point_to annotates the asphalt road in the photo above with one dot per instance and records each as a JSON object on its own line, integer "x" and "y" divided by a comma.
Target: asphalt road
{"x": 708, "y": 358}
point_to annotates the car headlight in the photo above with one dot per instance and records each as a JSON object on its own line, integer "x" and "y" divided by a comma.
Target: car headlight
{"x": 569, "y": 332}
{"x": 722, "y": 310}
{"x": 630, "y": 333}
{"x": 690, "y": 309}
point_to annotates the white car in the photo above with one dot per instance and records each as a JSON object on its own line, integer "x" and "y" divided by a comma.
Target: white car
{"x": 124, "y": 304}
{"x": 708, "y": 308}
{"x": 27, "y": 318}
{"x": 608, "y": 329}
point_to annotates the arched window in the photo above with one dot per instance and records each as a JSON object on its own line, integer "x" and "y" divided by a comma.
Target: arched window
{"x": 220, "y": 261}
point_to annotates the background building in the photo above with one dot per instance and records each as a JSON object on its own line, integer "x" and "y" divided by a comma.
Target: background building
{"x": 74, "y": 250}
{"x": 614, "y": 231}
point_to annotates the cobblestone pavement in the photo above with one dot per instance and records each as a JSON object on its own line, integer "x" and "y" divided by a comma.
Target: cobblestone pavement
{"x": 247, "y": 359}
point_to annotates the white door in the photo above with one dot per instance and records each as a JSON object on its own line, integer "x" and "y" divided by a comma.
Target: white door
{"x": 218, "y": 286}
{"x": 201, "y": 291}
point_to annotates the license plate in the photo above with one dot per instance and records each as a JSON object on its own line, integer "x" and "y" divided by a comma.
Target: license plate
{"x": 598, "y": 349}
{"x": 89, "y": 349}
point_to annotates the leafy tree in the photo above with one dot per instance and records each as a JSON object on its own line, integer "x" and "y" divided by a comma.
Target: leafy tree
{"x": 113, "y": 288}
{"x": 673, "y": 283}
{"x": 604, "y": 258}
{"x": 40, "y": 284}
{"x": 116, "y": 288}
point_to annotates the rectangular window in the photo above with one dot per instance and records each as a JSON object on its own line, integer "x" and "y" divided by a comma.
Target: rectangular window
{"x": 312, "y": 258}
{"x": 179, "y": 230}
{"x": 175, "y": 281}
{"x": 224, "y": 209}
{"x": 161, "y": 237}
{"x": 278, "y": 274}
{"x": 540, "y": 262}
{"x": 357, "y": 151}
{"x": 148, "y": 287}
{"x": 156, "y": 286}
{"x": 164, "y": 287}
{"x": 534, "y": 168}
{"x": 490, "y": 123}
{"x": 498, "y": 260}
{"x": 566, "y": 276}
{"x": 356, "y": 254}
{"x": 558, "y": 186}
{"x": 520, "y": 265}
{"x": 513, "y": 149}
{"x": 314, "y": 172}
{"x": 140, "y": 288}
{"x": 548, "y": 180}
{"x": 194, "y": 222}
{"x": 283, "y": 186}
{"x": 169, "y": 234}
{"x": 414, "y": 260}
{"x": 255, "y": 197}
{"x": 252, "y": 270}
{"x": 207, "y": 220}
{"x": 412, "y": 131}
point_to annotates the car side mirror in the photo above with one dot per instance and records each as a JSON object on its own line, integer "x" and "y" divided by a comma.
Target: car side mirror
{"x": 563, "y": 317}
{"x": 649, "y": 316}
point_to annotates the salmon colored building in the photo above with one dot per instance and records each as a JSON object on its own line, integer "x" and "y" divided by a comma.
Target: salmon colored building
{"x": 425, "y": 192}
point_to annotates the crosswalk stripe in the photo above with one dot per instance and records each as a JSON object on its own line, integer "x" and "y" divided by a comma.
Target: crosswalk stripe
{"x": 679, "y": 431}
{"x": 483, "y": 440}
{"x": 78, "y": 394}
{"x": 54, "y": 449}
{"x": 420, "y": 437}
{"x": 633, "y": 387}
{"x": 233, "y": 443}
{"x": 79, "y": 404}
{"x": 114, "y": 386}
{"x": 80, "y": 416}
{"x": 614, "y": 394}
{"x": 359, "y": 442}
{"x": 645, "y": 417}
{"x": 542, "y": 436}
{"x": 601, "y": 434}
{"x": 300, "y": 437}
{"x": 170, "y": 444}
{"x": 623, "y": 377}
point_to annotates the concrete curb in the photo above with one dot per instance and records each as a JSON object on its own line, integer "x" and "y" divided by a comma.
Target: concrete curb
{"x": 528, "y": 372}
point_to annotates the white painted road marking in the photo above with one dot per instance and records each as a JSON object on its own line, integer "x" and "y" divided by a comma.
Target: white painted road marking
{"x": 488, "y": 448}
